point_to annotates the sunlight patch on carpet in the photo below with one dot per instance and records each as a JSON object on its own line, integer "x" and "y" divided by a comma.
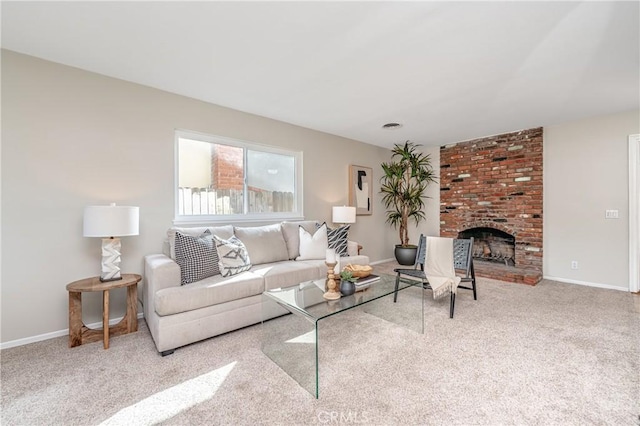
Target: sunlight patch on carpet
{"x": 170, "y": 402}
{"x": 309, "y": 337}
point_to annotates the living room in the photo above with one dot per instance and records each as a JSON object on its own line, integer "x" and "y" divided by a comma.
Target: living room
{"x": 72, "y": 137}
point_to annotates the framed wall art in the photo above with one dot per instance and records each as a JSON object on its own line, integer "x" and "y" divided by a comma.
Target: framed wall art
{"x": 361, "y": 189}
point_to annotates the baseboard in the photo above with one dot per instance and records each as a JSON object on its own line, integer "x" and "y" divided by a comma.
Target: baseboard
{"x": 53, "y": 334}
{"x": 585, "y": 283}
{"x": 391, "y": 259}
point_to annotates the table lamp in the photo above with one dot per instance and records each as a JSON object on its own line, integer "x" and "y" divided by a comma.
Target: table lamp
{"x": 110, "y": 222}
{"x": 344, "y": 214}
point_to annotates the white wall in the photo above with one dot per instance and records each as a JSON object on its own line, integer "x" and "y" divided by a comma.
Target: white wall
{"x": 71, "y": 138}
{"x": 585, "y": 173}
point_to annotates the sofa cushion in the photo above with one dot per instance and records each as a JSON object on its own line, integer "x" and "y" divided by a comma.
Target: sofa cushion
{"x": 292, "y": 236}
{"x": 223, "y": 232}
{"x": 313, "y": 246}
{"x": 210, "y": 291}
{"x": 337, "y": 238}
{"x": 288, "y": 273}
{"x": 196, "y": 256}
{"x": 233, "y": 256}
{"x": 265, "y": 244}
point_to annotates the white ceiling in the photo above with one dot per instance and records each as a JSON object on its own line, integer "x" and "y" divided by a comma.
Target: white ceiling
{"x": 448, "y": 71}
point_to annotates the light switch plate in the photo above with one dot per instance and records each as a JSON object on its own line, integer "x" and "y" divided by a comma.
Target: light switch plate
{"x": 611, "y": 214}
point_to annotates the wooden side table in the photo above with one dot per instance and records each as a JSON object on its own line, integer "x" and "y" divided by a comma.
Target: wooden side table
{"x": 79, "y": 333}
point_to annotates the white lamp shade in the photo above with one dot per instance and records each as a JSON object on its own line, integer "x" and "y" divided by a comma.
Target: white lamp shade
{"x": 344, "y": 214}
{"x": 110, "y": 221}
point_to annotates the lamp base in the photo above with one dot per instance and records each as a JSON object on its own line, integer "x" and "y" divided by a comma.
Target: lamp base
{"x": 104, "y": 280}
{"x": 110, "y": 260}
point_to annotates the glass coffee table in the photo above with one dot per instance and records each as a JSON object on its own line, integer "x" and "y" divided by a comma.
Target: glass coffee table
{"x": 293, "y": 341}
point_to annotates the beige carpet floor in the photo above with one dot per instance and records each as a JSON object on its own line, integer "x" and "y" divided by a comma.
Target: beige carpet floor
{"x": 553, "y": 354}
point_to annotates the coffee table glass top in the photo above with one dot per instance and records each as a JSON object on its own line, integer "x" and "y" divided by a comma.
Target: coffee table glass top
{"x": 306, "y": 298}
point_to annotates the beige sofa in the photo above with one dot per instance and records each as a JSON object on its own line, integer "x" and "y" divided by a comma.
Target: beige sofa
{"x": 178, "y": 315}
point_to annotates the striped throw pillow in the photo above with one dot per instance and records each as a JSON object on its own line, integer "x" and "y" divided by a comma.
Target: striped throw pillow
{"x": 338, "y": 238}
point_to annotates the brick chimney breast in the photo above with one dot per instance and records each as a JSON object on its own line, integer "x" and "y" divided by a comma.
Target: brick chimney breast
{"x": 496, "y": 183}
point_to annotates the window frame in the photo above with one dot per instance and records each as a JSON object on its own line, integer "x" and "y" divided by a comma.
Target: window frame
{"x": 246, "y": 217}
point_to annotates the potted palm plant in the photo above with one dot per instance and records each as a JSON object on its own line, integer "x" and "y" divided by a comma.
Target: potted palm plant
{"x": 404, "y": 181}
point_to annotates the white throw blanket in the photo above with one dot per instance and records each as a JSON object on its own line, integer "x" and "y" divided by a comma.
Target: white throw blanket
{"x": 439, "y": 266}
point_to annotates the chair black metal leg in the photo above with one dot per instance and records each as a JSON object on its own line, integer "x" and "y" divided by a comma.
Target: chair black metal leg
{"x": 473, "y": 281}
{"x": 395, "y": 293}
{"x": 453, "y": 304}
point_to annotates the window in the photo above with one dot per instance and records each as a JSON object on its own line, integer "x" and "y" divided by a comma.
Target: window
{"x": 221, "y": 179}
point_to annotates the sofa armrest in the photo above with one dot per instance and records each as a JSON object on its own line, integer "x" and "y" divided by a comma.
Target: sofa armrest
{"x": 353, "y": 248}
{"x": 160, "y": 271}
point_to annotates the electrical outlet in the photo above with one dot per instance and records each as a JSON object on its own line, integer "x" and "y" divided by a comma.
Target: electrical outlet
{"x": 574, "y": 264}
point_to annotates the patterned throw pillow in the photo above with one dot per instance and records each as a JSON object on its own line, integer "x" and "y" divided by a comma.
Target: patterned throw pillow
{"x": 338, "y": 238}
{"x": 196, "y": 256}
{"x": 233, "y": 256}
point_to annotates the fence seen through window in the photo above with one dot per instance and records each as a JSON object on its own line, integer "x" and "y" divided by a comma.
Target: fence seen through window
{"x": 224, "y": 179}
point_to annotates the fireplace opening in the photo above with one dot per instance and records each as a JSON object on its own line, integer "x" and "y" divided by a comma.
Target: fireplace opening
{"x": 492, "y": 245}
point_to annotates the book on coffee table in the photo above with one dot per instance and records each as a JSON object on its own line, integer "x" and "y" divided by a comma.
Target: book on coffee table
{"x": 365, "y": 282}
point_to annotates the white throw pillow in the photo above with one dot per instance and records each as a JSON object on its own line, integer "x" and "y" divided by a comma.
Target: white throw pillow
{"x": 292, "y": 235}
{"x": 313, "y": 246}
{"x": 233, "y": 256}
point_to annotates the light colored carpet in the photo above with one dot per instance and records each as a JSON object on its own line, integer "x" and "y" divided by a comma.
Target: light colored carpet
{"x": 554, "y": 354}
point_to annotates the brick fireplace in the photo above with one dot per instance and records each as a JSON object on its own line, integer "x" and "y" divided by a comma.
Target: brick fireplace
{"x": 491, "y": 189}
